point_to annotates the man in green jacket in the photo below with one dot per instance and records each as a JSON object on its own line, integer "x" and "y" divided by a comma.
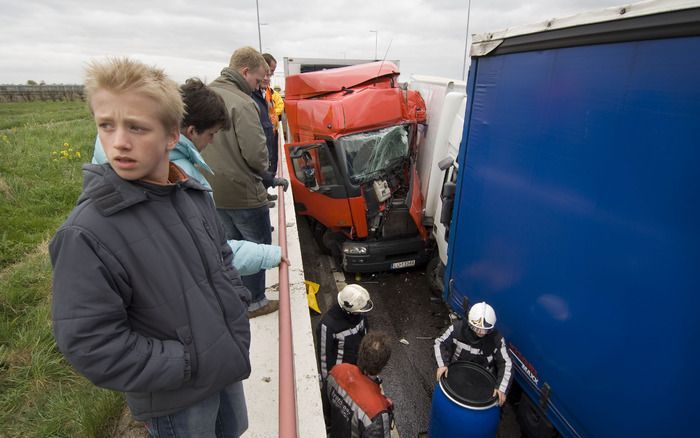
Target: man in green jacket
{"x": 239, "y": 159}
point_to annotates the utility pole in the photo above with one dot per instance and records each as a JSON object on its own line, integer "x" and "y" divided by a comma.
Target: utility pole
{"x": 376, "y": 33}
{"x": 466, "y": 42}
{"x": 257, "y": 11}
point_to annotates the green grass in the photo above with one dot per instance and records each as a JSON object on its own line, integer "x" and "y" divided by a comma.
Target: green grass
{"x": 40, "y": 179}
{"x": 18, "y": 115}
{"x": 40, "y": 175}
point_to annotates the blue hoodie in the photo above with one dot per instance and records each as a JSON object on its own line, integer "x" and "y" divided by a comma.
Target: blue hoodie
{"x": 248, "y": 257}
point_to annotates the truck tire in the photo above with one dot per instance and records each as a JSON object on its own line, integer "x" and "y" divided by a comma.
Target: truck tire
{"x": 317, "y": 231}
{"x": 435, "y": 275}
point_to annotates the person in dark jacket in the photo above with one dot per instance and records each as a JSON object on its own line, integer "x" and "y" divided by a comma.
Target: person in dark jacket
{"x": 146, "y": 300}
{"x": 340, "y": 331}
{"x": 258, "y": 96}
{"x": 476, "y": 340}
{"x": 275, "y": 105}
{"x": 358, "y": 407}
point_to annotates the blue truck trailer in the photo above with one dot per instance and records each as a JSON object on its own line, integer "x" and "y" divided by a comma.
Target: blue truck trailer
{"x": 577, "y": 215}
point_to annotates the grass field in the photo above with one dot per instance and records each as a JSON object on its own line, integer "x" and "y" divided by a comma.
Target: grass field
{"x": 42, "y": 145}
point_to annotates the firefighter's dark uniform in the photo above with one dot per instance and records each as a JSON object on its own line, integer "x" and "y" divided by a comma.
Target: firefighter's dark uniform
{"x": 338, "y": 336}
{"x": 459, "y": 342}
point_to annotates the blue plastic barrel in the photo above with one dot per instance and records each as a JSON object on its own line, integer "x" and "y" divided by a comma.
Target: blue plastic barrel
{"x": 463, "y": 403}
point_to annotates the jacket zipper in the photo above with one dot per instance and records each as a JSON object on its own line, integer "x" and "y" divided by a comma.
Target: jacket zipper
{"x": 206, "y": 266}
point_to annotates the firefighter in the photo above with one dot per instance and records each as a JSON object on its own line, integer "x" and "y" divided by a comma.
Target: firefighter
{"x": 342, "y": 327}
{"x": 339, "y": 333}
{"x": 476, "y": 341}
{"x": 358, "y": 407}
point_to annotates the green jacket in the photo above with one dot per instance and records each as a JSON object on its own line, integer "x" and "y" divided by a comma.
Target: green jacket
{"x": 238, "y": 156}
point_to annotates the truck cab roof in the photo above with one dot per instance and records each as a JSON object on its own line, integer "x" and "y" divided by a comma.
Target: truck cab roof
{"x": 306, "y": 85}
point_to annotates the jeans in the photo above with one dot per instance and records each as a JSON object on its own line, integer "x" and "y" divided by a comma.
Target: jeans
{"x": 252, "y": 224}
{"x": 222, "y": 415}
{"x": 273, "y": 155}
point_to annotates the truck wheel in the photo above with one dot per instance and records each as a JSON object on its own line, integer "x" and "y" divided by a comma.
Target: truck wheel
{"x": 332, "y": 245}
{"x": 318, "y": 230}
{"x": 435, "y": 273}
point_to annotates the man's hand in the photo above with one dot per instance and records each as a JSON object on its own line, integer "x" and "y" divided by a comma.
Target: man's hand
{"x": 281, "y": 182}
{"x": 440, "y": 372}
{"x": 501, "y": 396}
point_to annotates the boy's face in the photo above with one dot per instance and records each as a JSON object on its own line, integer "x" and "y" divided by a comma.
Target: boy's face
{"x": 135, "y": 141}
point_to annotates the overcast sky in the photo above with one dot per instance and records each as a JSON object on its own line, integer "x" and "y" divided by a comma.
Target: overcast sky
{"x": 51, "y": 40}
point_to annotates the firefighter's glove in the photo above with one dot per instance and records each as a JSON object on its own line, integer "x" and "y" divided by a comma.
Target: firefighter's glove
{"x": 281, "y": 182}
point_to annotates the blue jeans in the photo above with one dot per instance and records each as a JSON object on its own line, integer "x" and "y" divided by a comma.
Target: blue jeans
{"x": 222, "y": 415}
{"x": 251, "y": 224}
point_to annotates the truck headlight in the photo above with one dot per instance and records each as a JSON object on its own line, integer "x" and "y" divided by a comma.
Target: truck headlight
{"x": 355, "y": 248}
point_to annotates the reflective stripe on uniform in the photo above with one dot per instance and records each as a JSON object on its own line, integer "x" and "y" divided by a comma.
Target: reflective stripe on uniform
{"x": 503, "y": 384}
{"x": 324, "y": 359}
{"x": 438, "y": 342}
{"x": 340, "y": 336}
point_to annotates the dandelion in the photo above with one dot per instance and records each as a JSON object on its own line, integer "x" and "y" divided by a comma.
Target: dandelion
{"x": 77, "y": 154}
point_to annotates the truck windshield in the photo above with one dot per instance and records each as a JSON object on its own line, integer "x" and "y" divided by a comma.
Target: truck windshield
{"x": 368, "y": 153}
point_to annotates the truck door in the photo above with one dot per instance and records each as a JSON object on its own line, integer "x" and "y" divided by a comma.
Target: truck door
{"x": 318, "y": 186}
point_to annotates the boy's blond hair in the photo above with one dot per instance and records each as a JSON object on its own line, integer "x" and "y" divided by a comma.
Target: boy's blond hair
{"x": 121, "y": 75}
{"x": 247, "y": 57}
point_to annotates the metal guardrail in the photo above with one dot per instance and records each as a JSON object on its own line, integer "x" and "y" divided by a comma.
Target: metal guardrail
{"x": 287, "y": 388}
{"x": 27, "y": 93}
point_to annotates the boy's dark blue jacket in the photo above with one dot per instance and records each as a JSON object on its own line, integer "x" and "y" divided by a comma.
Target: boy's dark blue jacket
{"x": 145, "y": 298}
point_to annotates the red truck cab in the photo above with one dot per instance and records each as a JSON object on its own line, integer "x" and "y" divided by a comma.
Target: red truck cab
{"x": 352, "y": 158}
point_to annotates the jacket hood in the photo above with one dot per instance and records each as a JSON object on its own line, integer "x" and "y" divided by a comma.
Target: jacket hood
{"x": 111, "y": 194}
{"x": 185, "y": 149}
{"x": 230, "y": 75}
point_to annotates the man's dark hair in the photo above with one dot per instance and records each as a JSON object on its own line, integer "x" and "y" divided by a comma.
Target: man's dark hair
{"x": 204, "y": 108}
{"x": 374, "y": 353}
{"x": 269, "y": 58}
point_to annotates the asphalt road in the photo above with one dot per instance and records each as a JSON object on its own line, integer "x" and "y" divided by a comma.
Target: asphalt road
{"x": 406, "y": 310}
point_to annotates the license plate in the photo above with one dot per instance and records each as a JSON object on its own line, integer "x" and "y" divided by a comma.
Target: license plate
{"x": 405, "y": 264}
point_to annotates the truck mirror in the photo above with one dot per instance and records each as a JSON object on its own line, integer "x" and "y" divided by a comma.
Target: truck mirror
{"x": 446, "y": 212}
{"x": 446, "y": 163}
{"x": 448, "y": 190}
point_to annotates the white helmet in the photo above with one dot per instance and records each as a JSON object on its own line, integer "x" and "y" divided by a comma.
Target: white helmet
{"x": 355, "y": 299}
{"x": 482, "y": 318}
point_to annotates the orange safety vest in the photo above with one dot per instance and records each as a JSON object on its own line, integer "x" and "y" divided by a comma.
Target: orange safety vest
{"x": 359, "y": 393}
{"x": 271, "y": 108}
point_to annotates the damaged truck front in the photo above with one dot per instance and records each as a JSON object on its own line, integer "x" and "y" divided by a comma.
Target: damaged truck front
{"x": 352, "y": 160}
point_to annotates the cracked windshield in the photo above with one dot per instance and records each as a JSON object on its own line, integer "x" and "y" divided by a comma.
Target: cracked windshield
{"x": 369, "y": 152}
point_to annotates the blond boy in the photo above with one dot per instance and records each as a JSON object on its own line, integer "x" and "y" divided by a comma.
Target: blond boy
{"x": 145, "y": 299}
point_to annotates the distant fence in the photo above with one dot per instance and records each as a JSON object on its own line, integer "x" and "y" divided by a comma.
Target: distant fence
{"x": 27, "y": 93}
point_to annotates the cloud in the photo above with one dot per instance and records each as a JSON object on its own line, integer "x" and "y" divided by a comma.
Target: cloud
{"x": 52, "y": 41}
